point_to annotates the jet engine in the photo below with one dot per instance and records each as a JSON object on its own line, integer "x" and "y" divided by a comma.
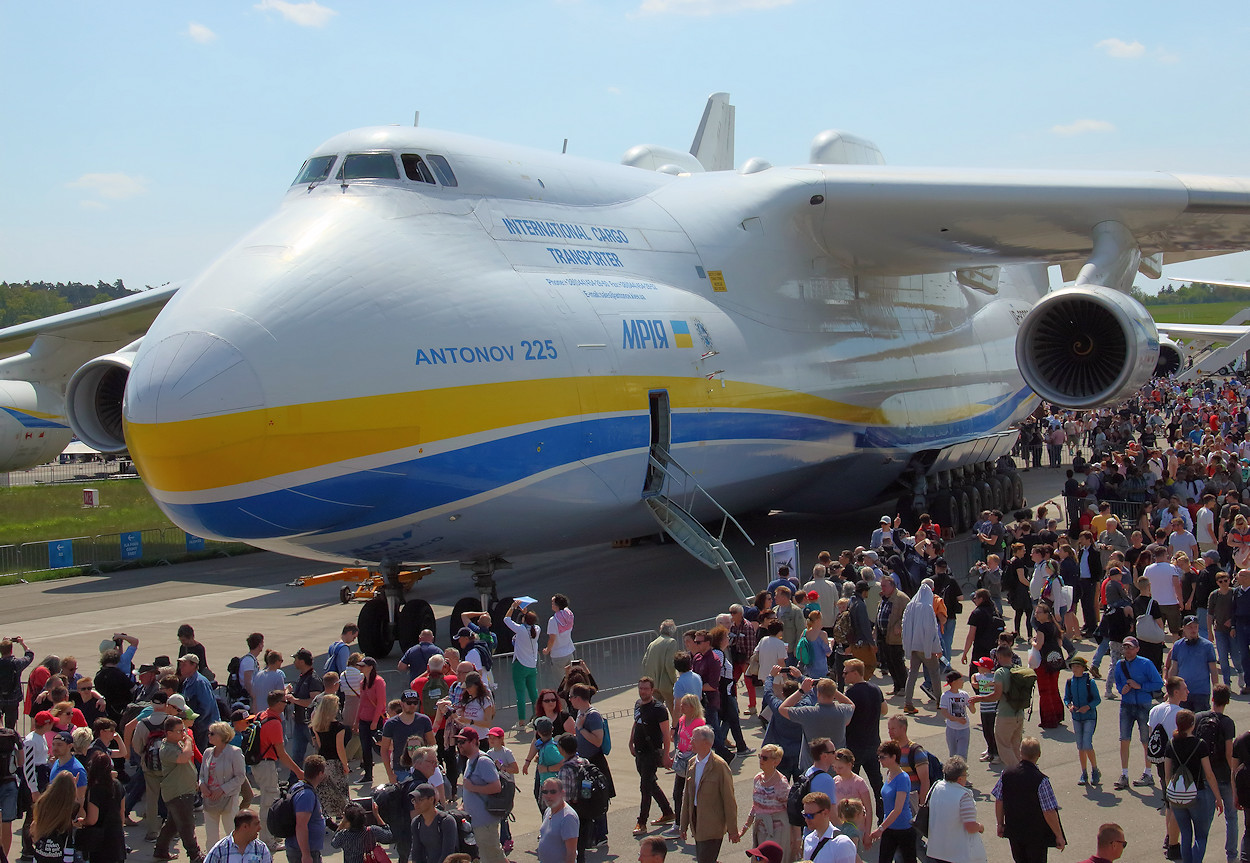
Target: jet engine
{"x": 93, "y": 399}
{"x": 1087, "y": 346}
{"x": 1171, "y": 358}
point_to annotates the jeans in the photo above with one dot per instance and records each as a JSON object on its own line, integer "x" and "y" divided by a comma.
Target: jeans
{"x": 299, "y": 739}
{"x": 1230, "y": 820}
{"x": 1201, "y": 614}
{"x": 1194, "y": 821}
{"x": 294, "y": 855}
{"x": 1197, "y": 702}
{"x": 948, "y": 638}
{"x": 1229, "y": 661}
{"x": 525, "y": 683}
{"x": 181, "y": 820}
{"x": 648, "y": 764}
{"x": 957, "y": 741}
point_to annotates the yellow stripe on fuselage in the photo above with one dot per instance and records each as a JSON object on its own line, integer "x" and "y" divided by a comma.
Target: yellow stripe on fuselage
{"x": 231, "y": 449}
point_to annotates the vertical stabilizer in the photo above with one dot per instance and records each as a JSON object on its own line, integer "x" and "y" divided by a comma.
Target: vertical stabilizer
{"x": 714, "y": 142}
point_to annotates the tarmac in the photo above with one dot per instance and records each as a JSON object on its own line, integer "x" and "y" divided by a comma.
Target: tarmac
{"x": 612, "y": 591}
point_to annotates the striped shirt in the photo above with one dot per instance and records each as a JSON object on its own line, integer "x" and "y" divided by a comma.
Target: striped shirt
{"x": 225, "y": 851}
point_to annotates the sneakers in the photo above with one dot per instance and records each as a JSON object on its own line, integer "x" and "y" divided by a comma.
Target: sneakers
{"x": 1147, "y": 779}
{"x": 1121, "y": 783}
{"x": 996, "y": 760}
{"x": 1110, "y": 695}
{"x": 985, "y": 756}
{"x": 924, "y": 687}
{"x": 672, "y": 833}
{"x": 639, "y": 830}
{"x": 910, "y": 709}
{"x": 1083, "y": 781}
{"x": 744, "y": 751}
{"x": 1095, "y": 777}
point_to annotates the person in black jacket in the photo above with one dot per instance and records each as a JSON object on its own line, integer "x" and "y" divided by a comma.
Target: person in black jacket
{"x": 11, "y": 668}
{"x": 1026, "y": 808}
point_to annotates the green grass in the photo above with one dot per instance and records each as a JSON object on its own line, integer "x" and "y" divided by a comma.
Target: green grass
{"x": 36, "y": 513}
{"x": 1197, "y": 313}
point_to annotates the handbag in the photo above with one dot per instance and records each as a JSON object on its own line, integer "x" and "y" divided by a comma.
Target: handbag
{"x": 753, "y": 664}
{"x": 681, "y": 763}
{"x": 922, "y": 815}
{"x": 1035, "y": 658}
{"x": 374, "y": 853}
{"x": 1148, "y": 628}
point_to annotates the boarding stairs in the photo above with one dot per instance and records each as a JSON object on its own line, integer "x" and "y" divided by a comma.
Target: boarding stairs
{"x": 665, "y": 474}
{"x": 1208, "y": 359}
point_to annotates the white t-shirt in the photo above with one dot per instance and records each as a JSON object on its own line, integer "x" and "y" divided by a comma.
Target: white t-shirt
{"x": 564, "y": 640}
{"x": 1164, "y": 714}
{"x": 772, "y": 652}
{"x": 1206, "y": 526}
{"x": 1160, "y": 574}
{"x": 955, "y": 703}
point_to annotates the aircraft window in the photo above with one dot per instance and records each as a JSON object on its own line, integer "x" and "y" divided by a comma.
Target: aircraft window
{"x": 315, "y": 170}
{"x": 369, "y": 166}
{"x": 415, "y": 168}
{"x": 443, "y": 170}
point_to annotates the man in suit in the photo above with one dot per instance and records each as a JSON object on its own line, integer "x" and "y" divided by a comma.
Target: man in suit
{"x": 708, "y": 805}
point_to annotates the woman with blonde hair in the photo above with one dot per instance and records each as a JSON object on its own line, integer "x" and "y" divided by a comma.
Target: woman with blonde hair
{"x": 1239, "y": 541}
{"x": 690, "y": 717}
{"x": 52, "y": 823}
{"x": 769, "y": 792}
{"x": 330, "y": 737}
{"x": 222, "y": 774}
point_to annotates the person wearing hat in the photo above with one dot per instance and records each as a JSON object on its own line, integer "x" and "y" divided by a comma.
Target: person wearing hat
{"x": 1137, "y": 680}
{"x": 301, "y": 694}
{"x": 63, "y": 760}
{"x": 481, "y": 779}
{"x": 198, "y": 693}
{"x": 435, "y": 834}
{"x": 474, "y": 652}
{"x": 557, "y": 837}
{"x": 767, "y": 852}
{"x": 409, "y": 728}
{"x": 1080, "y": 696}
{"x": 142, "y": 730}
{"x": 1193, "y": 658}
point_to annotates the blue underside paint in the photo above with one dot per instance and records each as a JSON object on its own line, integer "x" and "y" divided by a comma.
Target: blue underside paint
{"x": 31, "y": 422}
{"x": 363, "y": 498}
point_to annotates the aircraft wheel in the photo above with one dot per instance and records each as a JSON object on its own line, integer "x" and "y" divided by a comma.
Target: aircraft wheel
{"x": 502, "y": 633}
{"x": 976, "y": 503}
{"x": 346, "y": 594}
{"x": 465, "y": 603}
{"x": 987, "y": 496}
{"x": 1017, "y": 491}
{"x": 375, "y": 628}
{"x": 415, "y": 616}
{"x": 944, "y": 509}
{"x": 964, "y": 508}
{"x": 1006, "y": 494}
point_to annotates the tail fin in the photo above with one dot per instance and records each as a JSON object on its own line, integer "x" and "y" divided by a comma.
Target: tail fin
{"x": 714, "y": 142}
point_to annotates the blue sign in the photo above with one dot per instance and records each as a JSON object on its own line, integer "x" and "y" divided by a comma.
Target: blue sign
{"x": 195, "y": 543}
{"x": 132, "y": 545}
{"x": 60, "y": 553}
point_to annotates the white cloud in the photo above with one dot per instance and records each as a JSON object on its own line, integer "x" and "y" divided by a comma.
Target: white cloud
{"x": 115, "y": 187}
{"x": 704, "y": 8}
{"x": 200, "y": 33}
{"x": 307, "y": 14}
{"x": 92, "y": 205}
{"x": 1083, "y": 127}
{"x": 1121, "y": 50}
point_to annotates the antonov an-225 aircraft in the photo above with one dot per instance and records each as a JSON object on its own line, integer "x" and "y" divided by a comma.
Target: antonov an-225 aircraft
{"x": 441, "y": 348}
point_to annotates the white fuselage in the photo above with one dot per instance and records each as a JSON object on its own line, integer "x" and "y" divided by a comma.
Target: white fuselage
{"x": 390, "y": 370}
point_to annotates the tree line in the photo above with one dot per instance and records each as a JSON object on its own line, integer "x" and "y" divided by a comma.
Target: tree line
{"x": 1196, "y": 292}
{"x": 21, "y": 302}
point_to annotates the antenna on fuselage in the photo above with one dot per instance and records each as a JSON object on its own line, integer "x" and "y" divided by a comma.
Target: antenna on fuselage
{"x": 564, "y": 150}
{"x": 416, "y": 118}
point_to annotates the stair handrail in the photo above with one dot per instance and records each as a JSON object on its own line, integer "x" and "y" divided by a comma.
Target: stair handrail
{"x": 663, "y": 467}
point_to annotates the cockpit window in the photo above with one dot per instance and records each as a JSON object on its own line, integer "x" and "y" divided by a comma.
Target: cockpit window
{"x": 415, "y": 169}
{"x": 368, "y": 166}
{"x": 442, "y": 170}
{"x": 315, "y": 170}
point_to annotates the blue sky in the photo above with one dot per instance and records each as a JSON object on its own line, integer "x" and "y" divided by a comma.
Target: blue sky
{"x": 144, "y": 137}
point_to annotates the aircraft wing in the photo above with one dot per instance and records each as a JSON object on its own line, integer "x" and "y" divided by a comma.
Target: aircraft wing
{"x": 1216, "y": 282}
{"x": 1203, "y": 332}
{"x": 51, "y": 349}
{"x": 906, "y": 221}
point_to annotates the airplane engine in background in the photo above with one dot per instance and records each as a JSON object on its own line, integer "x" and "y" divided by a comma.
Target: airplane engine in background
{"x": 1085, "y": 347}
{"x": 1172, "y": 358}
{"x": 93, "y": 399}
{"x": 31, "y": 430}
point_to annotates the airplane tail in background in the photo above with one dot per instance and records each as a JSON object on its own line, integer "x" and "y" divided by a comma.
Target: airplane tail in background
{"x": 714, "y": 142}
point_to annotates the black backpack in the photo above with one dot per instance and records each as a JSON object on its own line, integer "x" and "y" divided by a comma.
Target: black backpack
{"x": 466, "y": 842}
{"x": 280, "y": 819}
{"x": 592, "y": 797}
{"x": 501, "y": 802}
{"x": 235, "y": 690}
{"x": 393, "y": 801}
{"x": 10, "y": 680}
{"x": 10, "y": 743}
{"x": 252, "y": 753}
{"x": 1209, "y": 728}
{"x": 794, "y": 800}
{"x": 487, "y": 659}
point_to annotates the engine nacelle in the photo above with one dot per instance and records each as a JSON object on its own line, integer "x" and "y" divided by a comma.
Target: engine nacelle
{"x": 93, "y": 400}
{"x": 1087, "y": 347}
{"x": 1172, "y": 357}
{"x": 32, "y": 425}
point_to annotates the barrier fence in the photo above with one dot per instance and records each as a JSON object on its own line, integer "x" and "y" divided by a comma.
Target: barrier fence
{"x": 104, "y": 550}
{"x": 69, "y": 472}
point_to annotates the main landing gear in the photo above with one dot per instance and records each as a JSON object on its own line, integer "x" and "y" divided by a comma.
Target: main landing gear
{"x": 964, "y": 492}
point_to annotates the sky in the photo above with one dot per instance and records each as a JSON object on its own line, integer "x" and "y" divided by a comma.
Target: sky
{"x": 143, "y": 138}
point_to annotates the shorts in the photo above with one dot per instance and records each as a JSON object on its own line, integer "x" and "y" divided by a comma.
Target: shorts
{"x": 8, "y": 801}
{"x": 1084, "y": 729}
{"x": 1131, "y": 714}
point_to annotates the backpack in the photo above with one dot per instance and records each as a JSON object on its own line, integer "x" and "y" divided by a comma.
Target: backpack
{"x": 10, "y": 680}
{"x": 803, "y": 652}
{"x": 1209, "y": 729}
{"x": 1157, "y": 744}
{"x": 333, "y": 655}
{"x": 281, "y": 816}
{"x": 10, "y": 742}
{"x": 235, "y": 691}
{"x": 501, "y": 802}
{"x": 1181, "y": 791}
{"x": 842, "y": 628}
{"x": 794, "y": 800}
{"x": 434, "y": 688}
{"x": 935, "y": 763}
{"x": 392, "y": 801}
{"x": 593, "y": 793}
{"x": 466, "y": 842}
{"x": 1020, "y": 686}
{"x": 252, "y": 753}
{"x": 152, "y": 748}
{"x": 486, "y": 657}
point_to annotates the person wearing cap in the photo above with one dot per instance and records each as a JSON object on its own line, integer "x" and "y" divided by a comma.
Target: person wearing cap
{"x": 272, "y": 752}
{"x": 475, "y": 652}
{"x": 767, "y": 852}
{"x": 63, "y": 759}
{"x": 481, "y": 779}
{"x": 301, "y": 694}
{"x": 435, "y": 834}
{"x": 505, "y": 762}
{"x": 1080, "y": 696}
{"x": 1193, "y": 658}
{"x": 557, "y": 837}
{"x": 1137, "y": 680}
{"x": 138, "y": 733}
{"x": 198, "y": 693}
{"x": 178, "y": 784}
{"x": 409, "y": 728}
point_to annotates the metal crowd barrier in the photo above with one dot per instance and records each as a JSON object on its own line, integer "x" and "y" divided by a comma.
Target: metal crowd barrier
{"x": 103, "y": 550}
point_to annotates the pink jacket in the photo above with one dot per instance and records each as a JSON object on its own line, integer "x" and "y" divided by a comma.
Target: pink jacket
{"x": 372, "y": 700}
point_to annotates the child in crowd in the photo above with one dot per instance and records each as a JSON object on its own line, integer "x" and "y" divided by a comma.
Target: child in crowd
{"x": 356, "y": 839}
{"x": 505, "y": 761}
{"x": 813, "y": 603}
{"x": 1080, "y": 694}
{"x": 983, "y": 683}
{"x": 954, "y": 708}
{"x": 991, "y": 578}
{"x": 851, "y": 814}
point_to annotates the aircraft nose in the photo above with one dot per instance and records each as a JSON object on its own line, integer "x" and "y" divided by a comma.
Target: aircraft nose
{"x": 190, "y": 375}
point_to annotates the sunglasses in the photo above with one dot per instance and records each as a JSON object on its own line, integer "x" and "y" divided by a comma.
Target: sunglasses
{"x": 547, "y": 791}
{"x": 551, "y": 700}
{"x": 1123, "y": 842}
{"x": 412, "y": 701}
{"x": 810, "y": 815}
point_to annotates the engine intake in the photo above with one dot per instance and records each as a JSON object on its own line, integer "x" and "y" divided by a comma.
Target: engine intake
{"x": 1086, "y": 347}
{"x": 1171, "y": 358}
{"x": 93, "y": 401}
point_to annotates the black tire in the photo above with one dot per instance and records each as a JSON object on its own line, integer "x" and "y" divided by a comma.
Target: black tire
{"x": 415, "y": 616}
{"x": 375, "y": 635}
{"x": 502, "y": 633}
{"x": 987, "y": 496}
{"x": 964, "y": 507}
{"x": 976, "y": 502}
{"x": 1017, "y": 491}
{"x": 465, "y": 603}
{"x": 1006, "y": 495}
{"x": 346, "y": 594}
{"x": 944, "y": 509}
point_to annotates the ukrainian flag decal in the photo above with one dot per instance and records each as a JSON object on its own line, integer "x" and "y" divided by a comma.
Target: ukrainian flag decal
{"x": 681, "y": 334}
